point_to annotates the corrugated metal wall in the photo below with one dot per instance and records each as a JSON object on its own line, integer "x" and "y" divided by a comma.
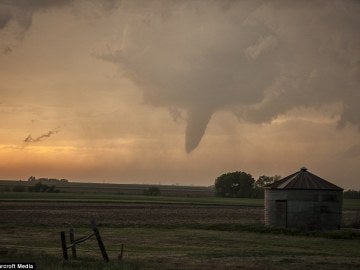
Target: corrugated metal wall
{"x": 305, "y": 209}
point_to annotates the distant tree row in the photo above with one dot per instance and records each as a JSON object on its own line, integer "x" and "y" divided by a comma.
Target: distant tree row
{"x": 38, "y": 187}
{"x": 32, "y": 179}
{"x": 242, "y": 185}
{"x": 351, "y": 194}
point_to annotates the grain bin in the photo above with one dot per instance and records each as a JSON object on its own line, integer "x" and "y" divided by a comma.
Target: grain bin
{"x": 305, "y": 201}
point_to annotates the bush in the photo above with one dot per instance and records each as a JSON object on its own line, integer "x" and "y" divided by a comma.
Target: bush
{"x": 18, "y": 188}
{"x": 152, "y": 191}
{"x": 355, "y": 223}
{"x": 40, "y": 187}
{"x": 5, "y": 189}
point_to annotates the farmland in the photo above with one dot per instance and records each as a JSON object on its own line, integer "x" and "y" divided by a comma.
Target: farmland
{"x": 106, "y": 188}
{"x": 167, "y": 232}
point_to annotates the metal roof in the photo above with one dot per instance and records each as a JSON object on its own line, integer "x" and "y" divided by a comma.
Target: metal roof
{"x": 303, "y": 179}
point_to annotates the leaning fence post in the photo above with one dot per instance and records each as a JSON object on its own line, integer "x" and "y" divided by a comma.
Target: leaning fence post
{"x": 72, "y": 239}
{"x": 63, "y": 245}
{"x": 100, "y": 242}
{"x": 120, "y": 256}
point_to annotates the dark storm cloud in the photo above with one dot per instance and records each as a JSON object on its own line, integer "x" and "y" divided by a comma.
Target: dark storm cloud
{"x": 30, "y": 139}
{"x": 22, "y": 10}
{"x": 5, "y": 17}
{"x": 16, "y": 18}
{"x": 16, "y": 15}
{"x": 258, "y": 59}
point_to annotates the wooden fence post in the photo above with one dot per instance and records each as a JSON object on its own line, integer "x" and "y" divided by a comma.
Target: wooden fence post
{"x": 100, "y": 242}
{"x": 74, "y": 242}
{"x": 72, "y": 239}
{"x": 63, "y": 245}
{"x": 120, "y": 256}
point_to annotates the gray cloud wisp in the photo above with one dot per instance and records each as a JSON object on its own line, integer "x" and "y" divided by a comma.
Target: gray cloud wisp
{"x": 30, "y": 139}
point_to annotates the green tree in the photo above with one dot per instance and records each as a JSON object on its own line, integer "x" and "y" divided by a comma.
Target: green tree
{"x": 51, "y": 189}
{"x": 264, "y": 180}
{"x": 39, "y": 187}
{"x": 32, "y": 178}
{"x": 235, "y": 184}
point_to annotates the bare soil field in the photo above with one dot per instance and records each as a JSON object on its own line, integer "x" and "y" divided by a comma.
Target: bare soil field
{"x": 29, "y": 213}
{"x": 115, "y": 214}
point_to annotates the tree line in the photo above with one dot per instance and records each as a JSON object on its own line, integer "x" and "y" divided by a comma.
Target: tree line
{"x": 43, "y": 179}
{"x": 351, "y": 194}
{"x": 38, "y": 187}
{"x": 242, "y": 185}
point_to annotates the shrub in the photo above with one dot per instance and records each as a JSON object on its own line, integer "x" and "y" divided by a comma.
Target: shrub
{"x": 5, "y": 189}
{"x": 355, "y": 223}
{"x": 152, "y": 191}
{"x": 18, "y": 188}
{"x": 40, "y": 187}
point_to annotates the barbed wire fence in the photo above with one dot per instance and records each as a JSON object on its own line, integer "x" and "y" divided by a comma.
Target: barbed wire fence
{"x": 75, "y": 242}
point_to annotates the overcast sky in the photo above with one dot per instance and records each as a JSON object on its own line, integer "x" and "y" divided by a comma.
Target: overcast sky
{"x": 179, "y": 92}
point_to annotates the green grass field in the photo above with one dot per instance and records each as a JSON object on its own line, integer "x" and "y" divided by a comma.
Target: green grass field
{"x": 159, "y": 248}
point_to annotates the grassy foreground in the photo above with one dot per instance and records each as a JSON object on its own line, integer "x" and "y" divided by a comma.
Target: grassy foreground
{"x": 182, "y": 248}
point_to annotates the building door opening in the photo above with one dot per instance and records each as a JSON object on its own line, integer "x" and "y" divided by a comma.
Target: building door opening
{"x": 281, "y": 213}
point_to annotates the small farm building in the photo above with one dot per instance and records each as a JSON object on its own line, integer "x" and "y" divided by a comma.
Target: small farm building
{"x": 305, "y": 201}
